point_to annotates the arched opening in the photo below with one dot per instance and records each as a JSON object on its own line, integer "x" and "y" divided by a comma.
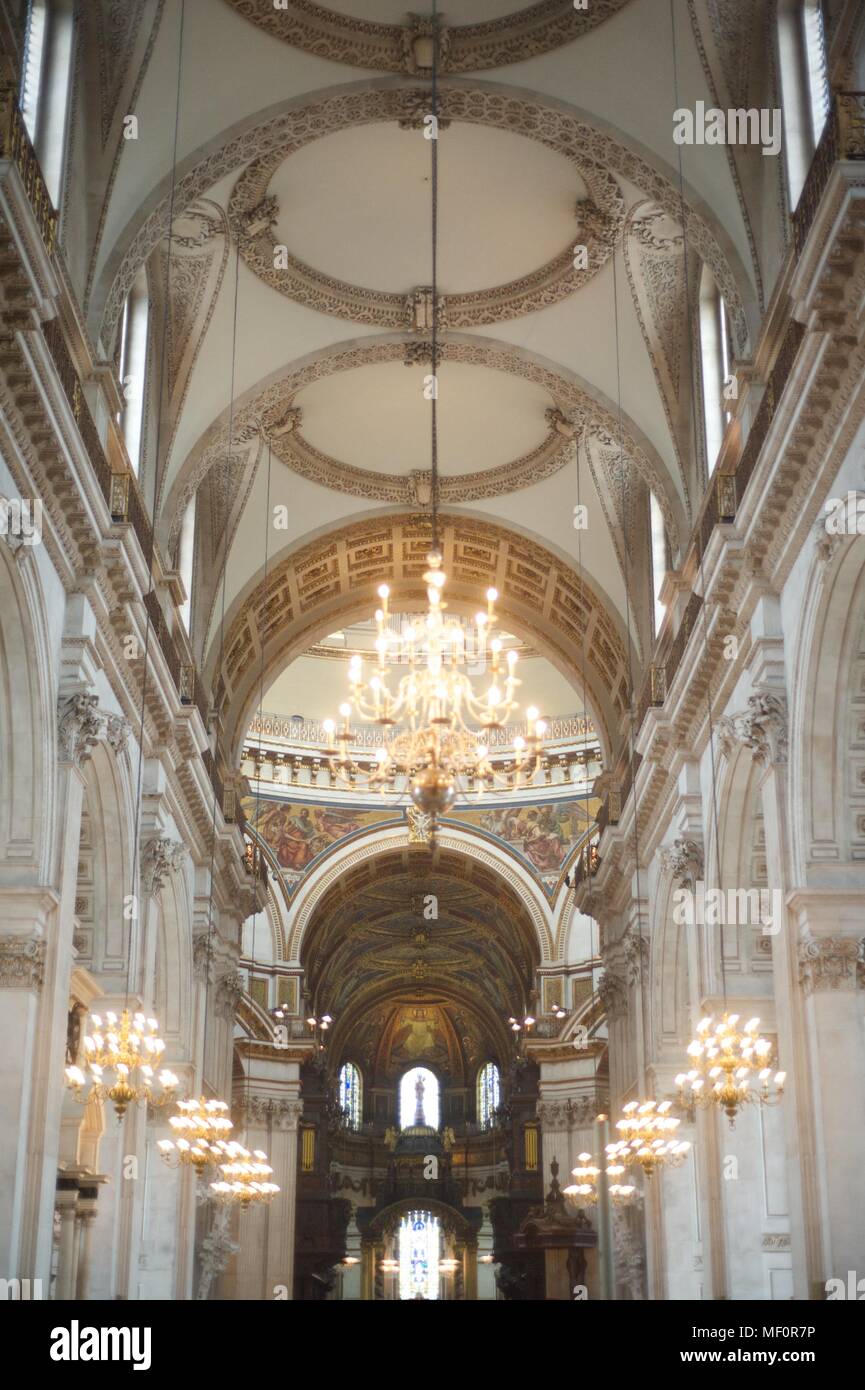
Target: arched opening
{"x": 419, "y": 1099}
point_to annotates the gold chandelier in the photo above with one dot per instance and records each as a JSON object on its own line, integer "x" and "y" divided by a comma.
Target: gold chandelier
{"x": 120, "y": 1058}
{"x": 201, "y": 1129}
{"x": 648, "y": 1138}
{"x": 245, "y": 1179}
{"x": 437, "y": 726}
{"x": 726, "y": 1061}
{"x": 585, "y": 1190}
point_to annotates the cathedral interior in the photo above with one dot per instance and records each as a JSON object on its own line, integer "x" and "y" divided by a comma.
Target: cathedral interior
{"x": 432, "y": 650}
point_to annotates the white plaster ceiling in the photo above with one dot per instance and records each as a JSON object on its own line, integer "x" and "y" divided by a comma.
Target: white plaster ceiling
{"x": 485, "y": 418}
{"x": 506, "y": 206}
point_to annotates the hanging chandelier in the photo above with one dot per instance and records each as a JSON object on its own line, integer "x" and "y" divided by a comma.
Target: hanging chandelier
{"x": 437, "y": 726}
{"x": 648, "y": 1138}
{"x": 245, "y": 1179}
{"x": 201, "y": 1128}
{"x": 120, "y": 1057}
{"x": 727, "y": 1061}
{"x": 584, "y": 1191}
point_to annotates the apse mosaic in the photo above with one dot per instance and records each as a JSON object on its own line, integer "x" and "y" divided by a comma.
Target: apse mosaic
{"x": 544, "y": 835}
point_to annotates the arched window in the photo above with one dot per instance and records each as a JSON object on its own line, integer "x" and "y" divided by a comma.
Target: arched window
{"x": 419, "y": 1254}
{"x": 659, "y": 556}
{"x": 351, "y": 1094}
{"x": 132, "y": 365}
{"x": 419, "y": 1099}
{"x": 45, "y": 85}
{"x": 186, "y": 560}
{"x": 489, "y": 1094}
{"x": 805, "y": 89}
{"x": 715, "y": 361}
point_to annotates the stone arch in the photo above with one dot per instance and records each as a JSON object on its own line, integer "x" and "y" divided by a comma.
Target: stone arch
{"x": 827, "y": 722}
{"x": 331, "y": 579}
{"x": 27, "y": 719}
{"x": 349, "y": 853}
{"x": 105, "y": 862}
{"x": 556, "y": 123}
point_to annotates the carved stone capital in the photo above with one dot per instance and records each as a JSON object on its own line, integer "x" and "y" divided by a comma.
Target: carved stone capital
{"x": 831, "y": 962}
{"x": 762, "y": 728}
{"x": 79, "y": 726}
{"x": 117, "y": 731}
{"x": 22, "y": 962}
{"x": 613, "y": 993}
{"x": 229, "y": 992}
{"x": 160, "y": 857}
{"x": 636, "y": 949}
{"x": 684, "y": 861}
{"x": 202, "y": 955}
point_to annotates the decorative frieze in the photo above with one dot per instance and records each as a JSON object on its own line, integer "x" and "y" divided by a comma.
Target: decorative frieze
{"x": 567, "y": 1114}
{"x": 762, "y": 728}
{"x": 22, "y": 962}
{"x": 277, "y": 1112}
{"x": 831, "y": 962}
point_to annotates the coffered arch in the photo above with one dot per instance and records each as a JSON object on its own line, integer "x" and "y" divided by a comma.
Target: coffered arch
{"x": 331, "y": 579}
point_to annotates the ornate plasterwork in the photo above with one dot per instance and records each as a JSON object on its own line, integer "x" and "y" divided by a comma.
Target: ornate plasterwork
{"x": 265, "y": 414}
{"x": 762, "y": 729}
{"x": 380, "y": 47}
{"x": 22, "y": 962}
{"x": 554, "y": 127}
{"x": 276, "y": 1111}
{"x": 253, "y": 214}
{"x": 831, "y": 962}
{"x": 613, "y": 993}
{"x": 636, "y": 954}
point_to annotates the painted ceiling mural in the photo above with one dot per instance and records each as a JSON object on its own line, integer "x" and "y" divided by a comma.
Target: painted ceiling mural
{"x": 543, "y": 834}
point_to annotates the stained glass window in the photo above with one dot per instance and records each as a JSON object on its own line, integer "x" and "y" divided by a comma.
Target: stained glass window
{"x": 419, "y": 1254}
{"x": 489, "y": 1094}
{"x": 350, "y": 1094}
{"x": 419, "y": 1098}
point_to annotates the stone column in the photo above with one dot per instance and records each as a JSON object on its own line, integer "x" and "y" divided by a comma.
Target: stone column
{"x": 470, "y": 1270}
{"x": 67, "y": 1274}
{"x": 831, "y": 927}
{"x": 762, "y": 729}
{"x": 86, "y": 1218}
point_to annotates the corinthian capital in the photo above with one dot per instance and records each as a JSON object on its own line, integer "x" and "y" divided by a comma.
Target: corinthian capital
{"x": 158, "y": 858}
{"x": 684, "y": 862}
{"x": 831, "y": 962}
{"x": 762, "y": 728}
{"x": 79, "y": 725}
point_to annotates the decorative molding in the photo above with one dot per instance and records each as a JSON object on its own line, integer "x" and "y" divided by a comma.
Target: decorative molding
{"x": 831, "y": 962}
{"x": 684, "y": 860}
{"x": 775, "y": 1240}
{"x": 159, "y": 858}
{"x": 762, "y": 728}
{"x": 22, "y": 962}
{"x": 253, "y": 214}
{"x": 630, "y": 1262}
{"x": 117, "y": 731}
{"x": 406, "y": 48}
{"x": 216, "y": 1250}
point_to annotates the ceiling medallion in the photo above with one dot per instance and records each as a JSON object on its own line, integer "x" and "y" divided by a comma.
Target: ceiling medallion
{"x": 406, "y": 48}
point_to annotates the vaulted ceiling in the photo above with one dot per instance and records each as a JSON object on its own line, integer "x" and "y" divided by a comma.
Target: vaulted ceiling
{"x": 296, "y": 380}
